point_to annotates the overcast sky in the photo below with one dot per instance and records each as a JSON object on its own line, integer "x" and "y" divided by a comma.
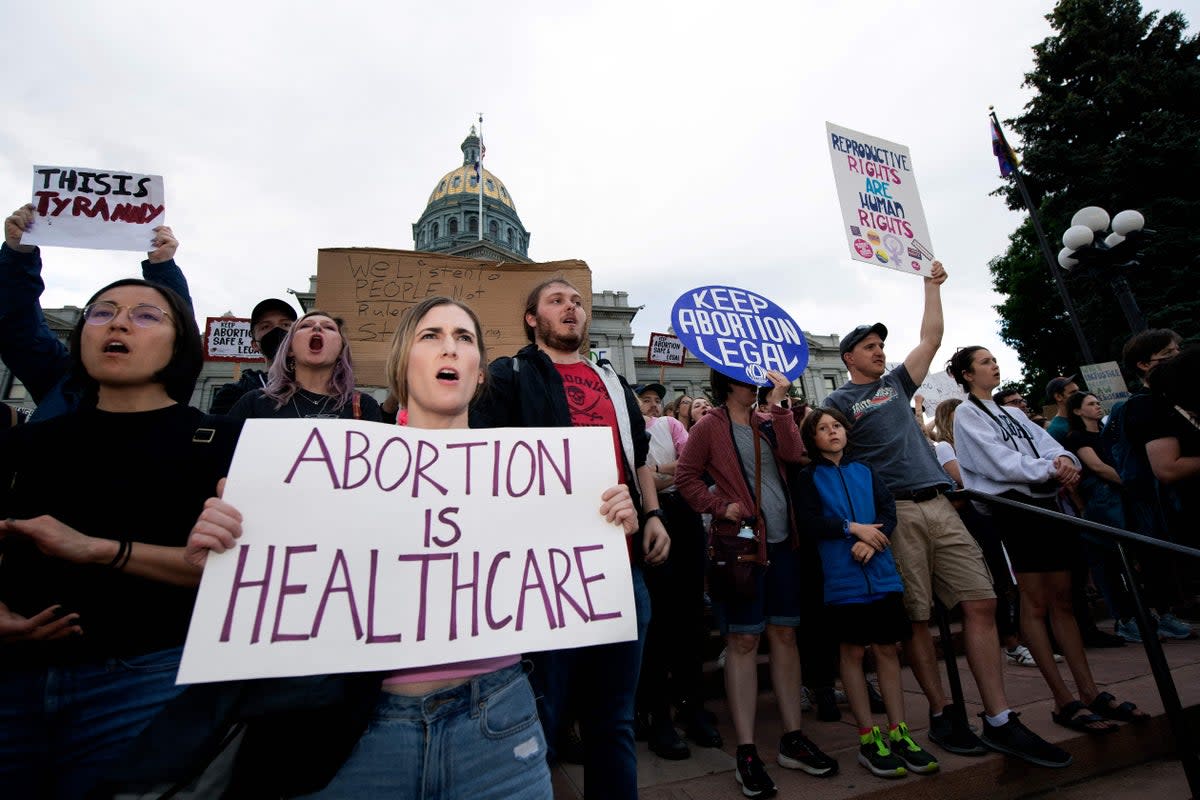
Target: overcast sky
{"x": 669, "y": 145}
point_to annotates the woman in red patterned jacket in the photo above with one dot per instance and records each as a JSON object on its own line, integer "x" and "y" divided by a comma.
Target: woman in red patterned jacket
{"x": 740, "y": 449}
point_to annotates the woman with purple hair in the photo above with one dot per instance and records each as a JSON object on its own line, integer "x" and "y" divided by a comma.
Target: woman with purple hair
{"x": 314, "y": 379}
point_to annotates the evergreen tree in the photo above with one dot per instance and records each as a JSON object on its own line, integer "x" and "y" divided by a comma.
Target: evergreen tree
{"x": 1115, "y": 123}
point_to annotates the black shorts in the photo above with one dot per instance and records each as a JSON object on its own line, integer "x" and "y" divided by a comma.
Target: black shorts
{"x": 1035, "y": 543}
{"x": 883, "y": 621}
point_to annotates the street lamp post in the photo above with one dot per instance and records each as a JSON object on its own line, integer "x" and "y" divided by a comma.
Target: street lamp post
{"x": 1107, "y": 260}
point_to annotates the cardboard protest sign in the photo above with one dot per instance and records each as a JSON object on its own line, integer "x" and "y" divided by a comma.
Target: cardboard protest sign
{"x": 374, "y": 547}
{"x": 1106, "y": 382}
{"x": 739, "y": 333}
{"x": 665, "y": 350}
{"x": 229, "y": 339}
{"x": 939, "y": 386}
{"x": 881, "y": 208}
{"x": 370, "y": 289}
{"x": 99, "y": 209}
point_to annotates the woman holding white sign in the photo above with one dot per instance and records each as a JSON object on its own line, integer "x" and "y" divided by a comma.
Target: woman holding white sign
{"x": 95, "y": 592}
{"x": 469, "y": 729}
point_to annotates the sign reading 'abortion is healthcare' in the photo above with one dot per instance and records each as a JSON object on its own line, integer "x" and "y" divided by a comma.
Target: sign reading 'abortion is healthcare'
{"x": 739, "y": 333}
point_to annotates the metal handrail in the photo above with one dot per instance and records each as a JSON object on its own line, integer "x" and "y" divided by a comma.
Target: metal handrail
{"x": 1184, "y": 744}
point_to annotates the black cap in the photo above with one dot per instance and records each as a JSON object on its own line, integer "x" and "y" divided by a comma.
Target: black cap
{"x": 1056, "y": 385}
{"x": 271, "y": 304}
{"x": 858, "y": 334}
{"x": 651, "y": 387}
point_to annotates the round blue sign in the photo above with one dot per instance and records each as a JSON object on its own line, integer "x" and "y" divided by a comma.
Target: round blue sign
{"x": 740, "y": 333}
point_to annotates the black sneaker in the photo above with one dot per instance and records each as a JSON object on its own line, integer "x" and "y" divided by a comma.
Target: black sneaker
{"x": 664, "y": 740}
{"x": 951, "y": 732}
{"x": 901, "y": 743}
{"x": 874, "y": 754}
{"x": 752, "y": 775}
{"x": 698, "y": 727}
{"x": 1014, "y": 739}
{"x": 797, "y": 751}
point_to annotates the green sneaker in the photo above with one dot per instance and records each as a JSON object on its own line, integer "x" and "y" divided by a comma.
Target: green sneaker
{"x": 874, "y": 754}
{"x": 902, "y": 744}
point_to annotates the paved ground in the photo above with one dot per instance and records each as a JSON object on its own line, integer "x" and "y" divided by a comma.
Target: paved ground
{"x": 1123, "y": 671}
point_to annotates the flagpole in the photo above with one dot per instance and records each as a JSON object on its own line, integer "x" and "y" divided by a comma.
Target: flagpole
{"x": 481, "y": 176}
{"x": 1047, "y": 252}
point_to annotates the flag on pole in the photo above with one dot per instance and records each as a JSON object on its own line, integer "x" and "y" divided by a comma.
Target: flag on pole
{"x": 1004, "y": 154}
{"x": 479, "y": 174}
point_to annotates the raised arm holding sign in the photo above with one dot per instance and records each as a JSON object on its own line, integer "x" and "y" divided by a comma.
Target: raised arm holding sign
{"x": 27, "y": 345}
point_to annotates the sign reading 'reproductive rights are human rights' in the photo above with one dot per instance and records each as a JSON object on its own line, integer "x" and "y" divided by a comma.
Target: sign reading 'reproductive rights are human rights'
{"x": 739, "y": 333}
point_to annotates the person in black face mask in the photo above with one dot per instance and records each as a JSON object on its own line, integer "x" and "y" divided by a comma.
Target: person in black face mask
{"x": 269, "y": 323}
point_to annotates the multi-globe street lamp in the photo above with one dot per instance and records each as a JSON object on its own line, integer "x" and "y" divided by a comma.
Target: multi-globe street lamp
{"x": 1107, "y": 260}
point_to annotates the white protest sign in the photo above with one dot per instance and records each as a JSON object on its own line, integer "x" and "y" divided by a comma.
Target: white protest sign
{"x": 1106, "y": 382}
{"x": 229, "y": 339}
{"x": 939, "y": 386}
{"x": 373, "y": 547}
{"x": 665, "y": 350}
{"x": 95, "y": 208}
{"x": 881, "y": 208}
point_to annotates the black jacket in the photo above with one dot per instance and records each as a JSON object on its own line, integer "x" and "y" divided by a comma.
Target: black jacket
{"x": 225, "y": 397}
{"x": 526, "y": 391}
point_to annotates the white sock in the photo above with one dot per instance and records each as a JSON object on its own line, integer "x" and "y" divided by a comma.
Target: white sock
{"x": 999, "y": 719}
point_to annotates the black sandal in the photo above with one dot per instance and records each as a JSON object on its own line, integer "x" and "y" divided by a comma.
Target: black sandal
{"x": 1105, "y": 706}
{"x": 1076, "y": 716}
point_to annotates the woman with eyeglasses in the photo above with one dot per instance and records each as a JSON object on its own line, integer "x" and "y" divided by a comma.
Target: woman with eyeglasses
{"x": 313, "y": 378}
{"x": 468, "y": 729}
{"x": 97, "y": 504}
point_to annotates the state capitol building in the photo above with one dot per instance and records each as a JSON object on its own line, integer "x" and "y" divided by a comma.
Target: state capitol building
{"x": 450, "y": 225}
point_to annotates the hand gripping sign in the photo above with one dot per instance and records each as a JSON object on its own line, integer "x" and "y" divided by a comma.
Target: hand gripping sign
{"x": 739, "y": 333}
{"x": 372, "y": 547}
{"x": 95, "y": 208}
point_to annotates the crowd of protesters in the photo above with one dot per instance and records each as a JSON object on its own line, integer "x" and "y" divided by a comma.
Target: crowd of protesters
{"x": 822, "y": 533}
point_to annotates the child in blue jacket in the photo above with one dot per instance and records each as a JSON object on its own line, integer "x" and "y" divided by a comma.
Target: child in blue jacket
{"x": 851, "y": 514}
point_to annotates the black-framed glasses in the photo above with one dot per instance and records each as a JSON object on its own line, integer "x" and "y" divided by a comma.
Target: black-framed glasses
{"x": 144, "y": 315}
{"x": 1015, "y": 401}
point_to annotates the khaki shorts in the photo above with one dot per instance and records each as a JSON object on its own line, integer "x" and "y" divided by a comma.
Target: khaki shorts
{"x": 934, "y": 552}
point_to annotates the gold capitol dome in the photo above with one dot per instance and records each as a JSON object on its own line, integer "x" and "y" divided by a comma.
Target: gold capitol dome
{"x": 452, "y": 223}
{"x": 462, "y": 180}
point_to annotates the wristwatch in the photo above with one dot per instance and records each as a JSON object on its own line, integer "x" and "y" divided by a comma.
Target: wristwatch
{"x": 657, "y": 512}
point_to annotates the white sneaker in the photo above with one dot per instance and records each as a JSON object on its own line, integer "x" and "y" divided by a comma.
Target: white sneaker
{"x": 1021, "y": 657}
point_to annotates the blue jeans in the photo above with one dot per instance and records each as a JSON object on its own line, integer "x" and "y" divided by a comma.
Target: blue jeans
{"x": 777, "y": 601}
{"x": 597, "y": 686}
{"x": 480, "y": 739}
{"x": 62, "y": 728}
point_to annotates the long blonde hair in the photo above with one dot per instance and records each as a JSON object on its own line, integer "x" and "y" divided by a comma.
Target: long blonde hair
{"x": 943, "y": 421}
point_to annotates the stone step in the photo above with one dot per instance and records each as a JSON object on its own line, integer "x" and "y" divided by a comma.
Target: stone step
{"x": 1123, "y": 671}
